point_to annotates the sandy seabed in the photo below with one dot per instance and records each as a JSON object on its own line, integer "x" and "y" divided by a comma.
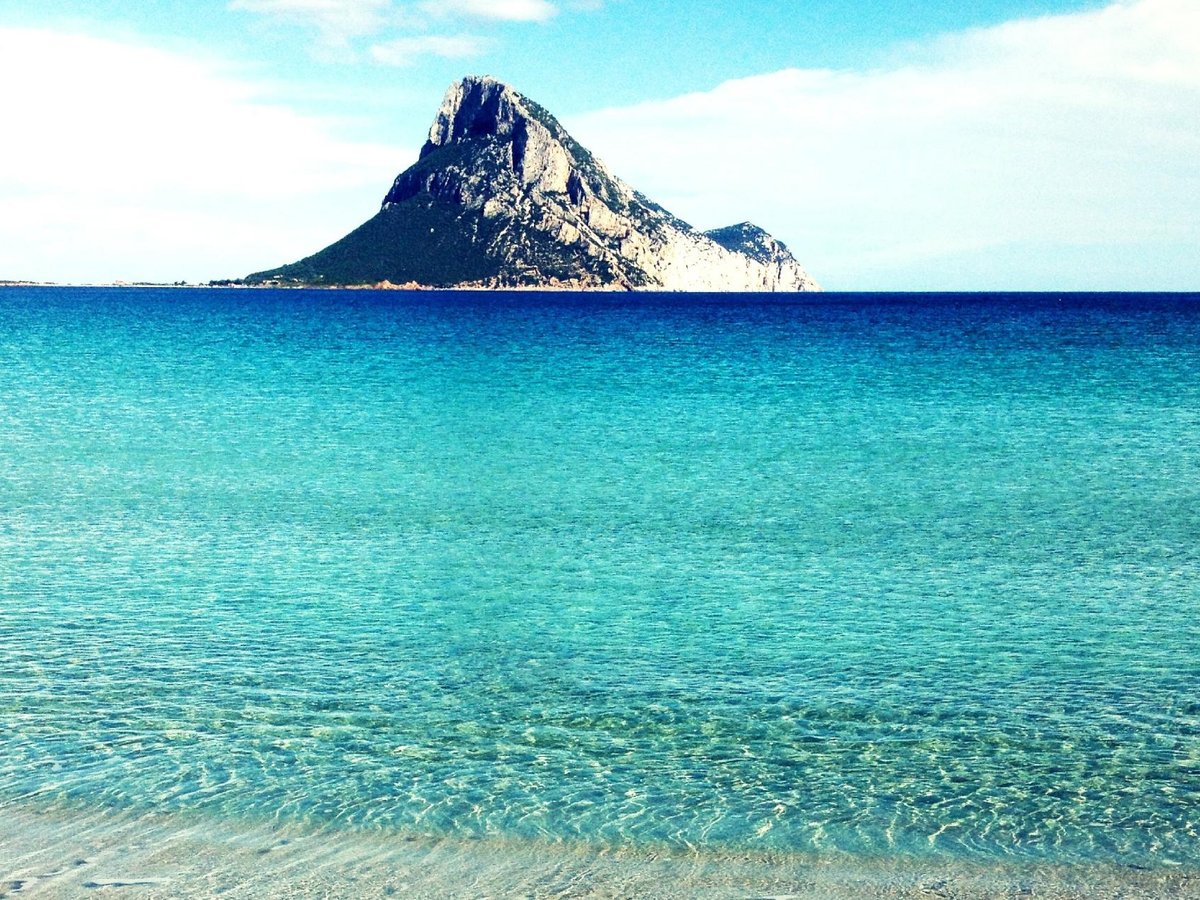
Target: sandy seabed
{"x": 67, "y": 854}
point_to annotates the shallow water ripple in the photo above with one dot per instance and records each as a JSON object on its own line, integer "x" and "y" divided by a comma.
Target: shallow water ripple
{"x": 852, "y": 575}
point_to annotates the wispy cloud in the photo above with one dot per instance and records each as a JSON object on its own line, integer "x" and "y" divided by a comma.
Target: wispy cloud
{"x": 338, "y": 21}
{"x": 500, "y": 10}
{"x": 407, "y": 51}
{"x": 398, "y": 32}
{"x": 974, "y": 161}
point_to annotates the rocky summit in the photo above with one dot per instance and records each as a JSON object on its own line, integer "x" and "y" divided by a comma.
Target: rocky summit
{"x": 503, "y": 197}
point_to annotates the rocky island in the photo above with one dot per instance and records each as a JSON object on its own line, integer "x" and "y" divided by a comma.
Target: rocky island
{"x": 503, "y": 197}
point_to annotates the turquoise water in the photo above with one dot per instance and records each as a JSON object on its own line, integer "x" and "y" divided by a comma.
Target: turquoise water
{"x": 881, "y": 575}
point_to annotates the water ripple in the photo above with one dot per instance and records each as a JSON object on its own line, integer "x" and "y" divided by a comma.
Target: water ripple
{"x": 756, "y": 577}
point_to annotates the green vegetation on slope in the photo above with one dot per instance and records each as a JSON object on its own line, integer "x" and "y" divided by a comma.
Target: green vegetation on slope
{"x": 421, "y": 240}
{"x": 746, "y": 238}
{"x": 437, "y": 243}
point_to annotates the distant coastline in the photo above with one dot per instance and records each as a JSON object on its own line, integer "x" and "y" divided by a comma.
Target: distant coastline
{"x": 239, "y": 284}
{"x": 218, "y": 283}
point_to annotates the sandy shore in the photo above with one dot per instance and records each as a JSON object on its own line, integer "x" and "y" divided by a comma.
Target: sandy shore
{"x": 88, "y": 855}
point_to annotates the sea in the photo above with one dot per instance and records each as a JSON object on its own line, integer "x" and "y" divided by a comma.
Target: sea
{"x": 359, "y": 593}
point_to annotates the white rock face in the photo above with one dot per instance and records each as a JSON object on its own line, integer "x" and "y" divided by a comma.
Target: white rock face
{"x": 558, "y": 216}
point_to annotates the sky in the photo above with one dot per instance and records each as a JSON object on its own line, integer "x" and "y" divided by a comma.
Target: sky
{"x": 910, "y": 145}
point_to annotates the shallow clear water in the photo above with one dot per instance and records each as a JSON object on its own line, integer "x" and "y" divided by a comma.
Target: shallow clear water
{"x": 877, "y": 574}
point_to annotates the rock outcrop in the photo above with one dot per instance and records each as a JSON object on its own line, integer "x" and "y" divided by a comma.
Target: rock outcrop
{"x": 502, "y": 196}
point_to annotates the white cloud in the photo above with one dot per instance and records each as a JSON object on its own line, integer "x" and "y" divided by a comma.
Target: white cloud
{"x": 337, "y": 20}
{"x": 407, "y": 51}
{"x": 161, "y": 166}
{"x": 342, "y": 23}
{"x": 501, "y": 10}
{"x": 990, "y": 153}
{"x": 1051, "y": 153}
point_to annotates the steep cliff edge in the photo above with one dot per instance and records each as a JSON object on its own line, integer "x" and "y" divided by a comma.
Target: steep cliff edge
{"x": 502, "y": 196}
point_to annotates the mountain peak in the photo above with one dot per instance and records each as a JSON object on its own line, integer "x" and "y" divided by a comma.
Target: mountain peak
{"x": 503, "y": 196}
{"x": 477, "y": 106}
{"x": 488, "y": 140}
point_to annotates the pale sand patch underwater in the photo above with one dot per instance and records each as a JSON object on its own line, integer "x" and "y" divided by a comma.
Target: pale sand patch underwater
{"x": 63, "y": 854}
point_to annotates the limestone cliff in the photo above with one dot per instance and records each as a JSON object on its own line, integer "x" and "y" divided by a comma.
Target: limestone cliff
{"x": 502, "y": 196}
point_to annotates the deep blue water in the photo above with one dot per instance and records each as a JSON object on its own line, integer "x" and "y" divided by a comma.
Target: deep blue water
{"x": 884, "y": 574}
